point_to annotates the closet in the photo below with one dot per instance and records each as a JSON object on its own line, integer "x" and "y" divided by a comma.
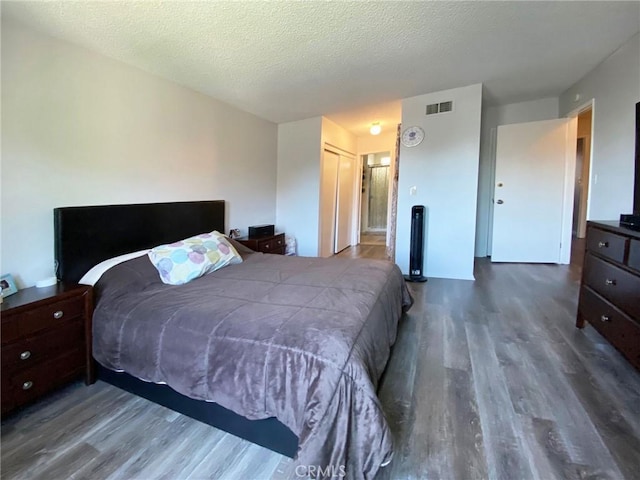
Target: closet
{"x": 336, "y": 201}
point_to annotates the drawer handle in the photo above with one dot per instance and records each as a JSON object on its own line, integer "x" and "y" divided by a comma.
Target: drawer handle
{"x": 266, "y": 246}
{"x": 25, "y": 355}
{"x": 610, "y": 282}
{"x": 57, "y": 315}
{"x": 605, "y": 318}
{"x": 603, "y": 244}
{"x": 27, "y": 385}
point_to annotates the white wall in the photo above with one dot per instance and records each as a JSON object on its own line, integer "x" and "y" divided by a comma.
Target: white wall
{"x": 614, "y": 85}
{"x": 337, "y": 136}
{"x": 444, "y": 169}
{"x": 300, "y": 147}
{"x": 385, "y": 142}
{"x": 79, "y": 128}
{"x": 492, "y": 117}
{"x": 298, "y": 194}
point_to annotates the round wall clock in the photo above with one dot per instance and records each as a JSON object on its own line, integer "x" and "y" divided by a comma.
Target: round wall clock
{"x": 412, "y": 136}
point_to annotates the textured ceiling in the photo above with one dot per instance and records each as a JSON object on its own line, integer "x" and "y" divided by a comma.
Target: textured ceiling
{"x": 286, "y": 61}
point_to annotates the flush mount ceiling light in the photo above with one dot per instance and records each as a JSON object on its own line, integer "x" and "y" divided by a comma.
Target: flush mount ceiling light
{"x": 375, "y": 128}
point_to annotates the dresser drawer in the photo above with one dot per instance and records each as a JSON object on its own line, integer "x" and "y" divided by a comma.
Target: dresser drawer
{"x": 607, "y": 244}
{"x": 40, "y": 318}
{"x": 634, "y": 255}
{"x": 615, "y": 284}
{"x": 45, "y": 344}
{"x": 273, "y": 244}
{"x": 615, "y": 326}
{"x": 270, "y": 245}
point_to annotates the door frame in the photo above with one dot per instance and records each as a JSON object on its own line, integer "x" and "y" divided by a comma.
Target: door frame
{"x": 358, "y": 200}
{"x": 591, "y": 104}
{"x": 569, "y": 187}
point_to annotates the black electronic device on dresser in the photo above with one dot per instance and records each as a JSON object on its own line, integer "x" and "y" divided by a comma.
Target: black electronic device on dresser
{"x": 257, "y": 231}
{"x": 632, "y": 220}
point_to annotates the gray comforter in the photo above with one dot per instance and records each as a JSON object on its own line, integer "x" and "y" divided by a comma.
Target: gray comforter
{"x": 304, "y": 340}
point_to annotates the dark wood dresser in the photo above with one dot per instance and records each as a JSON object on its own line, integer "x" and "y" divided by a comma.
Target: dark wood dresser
{"x": 46, "y": 341}
{"x": 610, "y": 288}
{"x": 270, "y": 244}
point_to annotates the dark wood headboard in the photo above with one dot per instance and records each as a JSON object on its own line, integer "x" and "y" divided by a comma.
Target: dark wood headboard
{"x": 85, "y": 236}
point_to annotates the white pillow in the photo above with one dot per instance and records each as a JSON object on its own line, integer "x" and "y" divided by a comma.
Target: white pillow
{"x": 93, "y": 275}
{"x": 182, "y": 261}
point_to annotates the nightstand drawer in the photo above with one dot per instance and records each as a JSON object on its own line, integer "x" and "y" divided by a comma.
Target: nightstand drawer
{"x": 607, "y": 244}
{"x": 46, "y": 316}
{"x": 46, "y": 341}
{"x": 614, "y": 325}
{"x": 46, "y": 344}
{"x": 615, "y": 284}
{"x": 28, "y": 384}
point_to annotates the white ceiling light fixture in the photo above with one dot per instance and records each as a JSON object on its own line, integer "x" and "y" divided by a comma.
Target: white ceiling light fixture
{"x": 375, "y": 128}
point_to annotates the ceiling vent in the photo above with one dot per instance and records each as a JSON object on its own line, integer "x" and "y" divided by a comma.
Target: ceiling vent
{"x": 442, "y": 107}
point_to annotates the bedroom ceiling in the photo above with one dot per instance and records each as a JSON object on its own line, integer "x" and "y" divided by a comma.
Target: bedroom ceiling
{"x": 287, "y": 61}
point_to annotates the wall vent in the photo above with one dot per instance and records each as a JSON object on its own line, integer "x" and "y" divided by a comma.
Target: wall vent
{"x": 442, "y": 107}
{"x": 446, "y": 106}
{"x": 432, "y": 109}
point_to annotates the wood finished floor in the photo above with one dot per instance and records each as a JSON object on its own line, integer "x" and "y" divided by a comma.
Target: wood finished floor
{"x": 377, "y": 238}
{"x": 378, "y": 252}
{"x": 488, "y": 379}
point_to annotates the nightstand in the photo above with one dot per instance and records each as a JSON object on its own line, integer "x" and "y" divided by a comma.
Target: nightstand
{"x": 46, "y": 341}
{"x": 269, "y": 244}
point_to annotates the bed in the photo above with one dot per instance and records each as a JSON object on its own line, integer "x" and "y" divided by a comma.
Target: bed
{"x": 283, "y": 351}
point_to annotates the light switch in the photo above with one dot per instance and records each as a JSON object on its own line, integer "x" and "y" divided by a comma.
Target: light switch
{"x": 413, "y": 190}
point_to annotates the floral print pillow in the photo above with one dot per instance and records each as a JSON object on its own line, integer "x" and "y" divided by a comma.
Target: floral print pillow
{"x": 182, "y": 261}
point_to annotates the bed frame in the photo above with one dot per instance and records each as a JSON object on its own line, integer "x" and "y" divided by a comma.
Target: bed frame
{"x": 85, "y": 236}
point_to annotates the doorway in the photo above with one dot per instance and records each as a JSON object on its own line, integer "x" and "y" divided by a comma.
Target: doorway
{"x": 375, "y": 198}
{"x": 583, "y": 163}
{"x": 533, "y": 192}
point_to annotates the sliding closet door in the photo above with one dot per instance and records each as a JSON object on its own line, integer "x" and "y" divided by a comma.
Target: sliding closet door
{"x": 328, "y": 202}
{"x": 344, "y": 208}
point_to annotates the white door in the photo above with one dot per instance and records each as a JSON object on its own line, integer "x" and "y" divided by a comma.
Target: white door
{"x": 328, "y": 201}
{"x": 532, "y": 201}
{"x": 344, "y": 207}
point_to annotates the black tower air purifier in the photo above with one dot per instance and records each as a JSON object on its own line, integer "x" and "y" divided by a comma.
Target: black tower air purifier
{"x": 416, "y": 250}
